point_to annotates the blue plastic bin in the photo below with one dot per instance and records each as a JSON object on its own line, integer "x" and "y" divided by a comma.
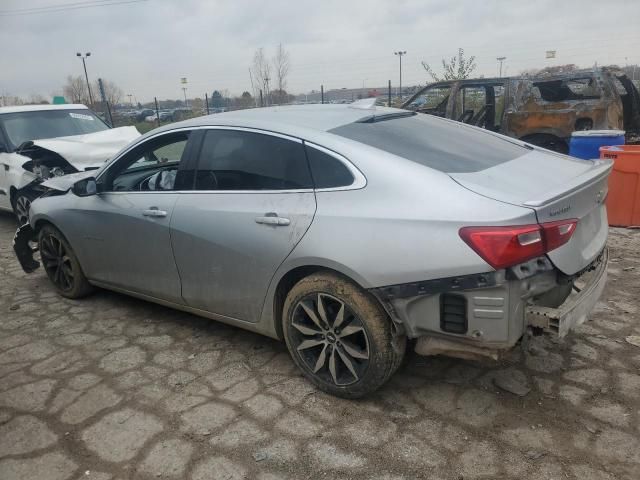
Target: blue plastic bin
{"x": 585, "y": 144}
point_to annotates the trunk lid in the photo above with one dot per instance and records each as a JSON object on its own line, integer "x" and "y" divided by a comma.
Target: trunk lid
{"x": 557, "y": 187}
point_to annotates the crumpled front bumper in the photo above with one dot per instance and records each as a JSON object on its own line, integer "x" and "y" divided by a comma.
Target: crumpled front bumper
{"x": 576, "y": 308}
{"x": 24, "y": 251}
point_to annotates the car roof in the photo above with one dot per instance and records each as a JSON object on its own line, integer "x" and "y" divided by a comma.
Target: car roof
{"x": 289, "y": 118}
{"x": 36, "y": 108}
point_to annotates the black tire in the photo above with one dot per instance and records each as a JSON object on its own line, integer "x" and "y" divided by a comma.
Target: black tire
{"x": 61, "y": 264}
{"x": 331, "y": 341}
{"x": 21, "y": 203}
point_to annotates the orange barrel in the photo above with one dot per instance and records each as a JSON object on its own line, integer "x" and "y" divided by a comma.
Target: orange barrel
{"x": 623, "y": 202}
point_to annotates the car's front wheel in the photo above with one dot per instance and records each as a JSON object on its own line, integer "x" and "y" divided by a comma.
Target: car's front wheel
{"x": 22, "y": 204}
{"x": 339, "y": 336}
{"x": 61, "y": 264}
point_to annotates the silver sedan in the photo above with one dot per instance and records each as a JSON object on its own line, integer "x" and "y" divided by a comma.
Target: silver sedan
{"x": 344, "y": 230}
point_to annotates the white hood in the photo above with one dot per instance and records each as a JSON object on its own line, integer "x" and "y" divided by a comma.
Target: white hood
{"x": 90, "y": 150}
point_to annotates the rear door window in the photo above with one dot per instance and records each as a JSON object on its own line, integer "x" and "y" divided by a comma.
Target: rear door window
{"x": 443, "y": 145}
{"x": 241, "y": 160}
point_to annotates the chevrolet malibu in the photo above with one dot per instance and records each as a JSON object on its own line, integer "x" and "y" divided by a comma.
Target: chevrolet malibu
{"x": 344, "y": 230}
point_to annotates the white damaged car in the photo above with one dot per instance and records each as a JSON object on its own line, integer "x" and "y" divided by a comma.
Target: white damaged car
{"x": 39, "y": 142}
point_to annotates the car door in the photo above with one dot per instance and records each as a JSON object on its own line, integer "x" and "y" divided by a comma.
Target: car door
{"x": 125, "y": 238}
{"x": 252, "y": 203}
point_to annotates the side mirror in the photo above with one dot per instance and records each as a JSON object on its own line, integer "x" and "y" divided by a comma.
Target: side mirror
{"x": 85, "y": 187}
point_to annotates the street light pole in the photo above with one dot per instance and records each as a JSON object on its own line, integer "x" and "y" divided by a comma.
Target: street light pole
{"x": 88, "y": 54}
{"x": 501, "y": 59}
{"x": 400, "y": 54}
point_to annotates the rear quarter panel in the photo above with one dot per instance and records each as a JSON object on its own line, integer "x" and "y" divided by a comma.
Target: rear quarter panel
{"x": 402, "y": 227}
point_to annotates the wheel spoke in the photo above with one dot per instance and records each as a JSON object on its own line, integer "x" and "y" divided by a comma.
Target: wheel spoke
{"x": 322, "y": 358}
{"x": 348, "y": 363}
{"x": 64, "y": 280}
{"x": 339, "y": 317}
{"x": 332, "y": 366}
{"x": 46, "y": 248}
{"x": 303, "y": 329}
{"x": 68, "y": 270}
{"x": 350, "y": 330}
{"x": 48, "y": 262}
{"x": 312, "y": 315}
{"x": 68, "y": 276}
{"x": 354, "y": 352}
{"x": 56, "y": 278}
{"x": 309, "y": 344}
{"x": 322, "y": 312}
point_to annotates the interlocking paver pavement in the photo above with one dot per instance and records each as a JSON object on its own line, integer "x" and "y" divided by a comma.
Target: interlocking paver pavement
{"x": 111, "y": 387}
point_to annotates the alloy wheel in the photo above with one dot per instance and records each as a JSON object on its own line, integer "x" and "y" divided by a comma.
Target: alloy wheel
{"x": 57, "y": 262}
{"x": 22, "y": 209}
{"x": 330, "y": 339}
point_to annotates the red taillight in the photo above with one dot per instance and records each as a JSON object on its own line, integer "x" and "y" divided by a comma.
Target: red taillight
{"x": 558, "y": 233}
{"x": 503, "y": 247}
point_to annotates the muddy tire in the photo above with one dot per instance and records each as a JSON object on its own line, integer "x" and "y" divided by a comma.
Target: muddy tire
{"x": 339, "y": 336}
{"x": 61, "y": 264}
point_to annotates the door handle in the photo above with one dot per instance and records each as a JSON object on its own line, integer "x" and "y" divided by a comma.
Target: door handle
{"x": 154, "y": 212}
{"x": 273, "y": 219}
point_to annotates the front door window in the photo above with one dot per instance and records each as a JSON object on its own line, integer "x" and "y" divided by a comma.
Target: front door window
{"x": 152, "y": 166}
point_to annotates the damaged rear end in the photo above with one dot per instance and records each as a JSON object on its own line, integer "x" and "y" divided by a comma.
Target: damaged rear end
{"x": 544, "y": 275}
{"x": 563, "y": 256}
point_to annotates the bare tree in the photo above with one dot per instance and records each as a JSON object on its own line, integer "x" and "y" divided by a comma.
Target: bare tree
{"x": 281, "y": 64}
{"x": 37, "y": 99}
{"x": 112, "y": 92}
{"x": 8, "y": 100}
{"x": 75, "y": 90}
{"x": 457, "y": 68}
{"x": 262, "y": 71}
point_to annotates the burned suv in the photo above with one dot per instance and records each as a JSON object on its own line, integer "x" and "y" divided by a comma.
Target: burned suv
{"x": 541, "y": 110}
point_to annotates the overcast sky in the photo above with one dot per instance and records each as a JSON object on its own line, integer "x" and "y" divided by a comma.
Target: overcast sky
{"x": 145, "y": 47}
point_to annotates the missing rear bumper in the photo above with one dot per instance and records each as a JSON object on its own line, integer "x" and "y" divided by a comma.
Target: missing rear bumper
{"x": 23, "y": 250}
{"x": 576, "y": 309}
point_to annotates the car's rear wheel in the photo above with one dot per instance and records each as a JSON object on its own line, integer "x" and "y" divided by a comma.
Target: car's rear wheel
{"x": 339, "y": 336}
{"x": 61, "y": 264}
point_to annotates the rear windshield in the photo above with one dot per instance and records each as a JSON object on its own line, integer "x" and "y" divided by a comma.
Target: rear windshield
{"x": 439, "y": 144}
{"x": 21, "y": 127}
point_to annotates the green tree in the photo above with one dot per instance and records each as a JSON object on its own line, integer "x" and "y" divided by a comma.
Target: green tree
{"x": 217, "y": 100}
{"x": 246, "y": 100}
{"x": 457, "y": 68}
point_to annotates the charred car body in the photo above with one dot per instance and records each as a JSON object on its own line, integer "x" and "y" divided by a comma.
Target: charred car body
{"x": 39, "y": 142}
{"x": 543, "y": 110}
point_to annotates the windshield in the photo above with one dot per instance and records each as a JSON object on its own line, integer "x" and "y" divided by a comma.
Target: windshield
{"x": 439, "y": 144}
{"x": 21, "y": 127}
